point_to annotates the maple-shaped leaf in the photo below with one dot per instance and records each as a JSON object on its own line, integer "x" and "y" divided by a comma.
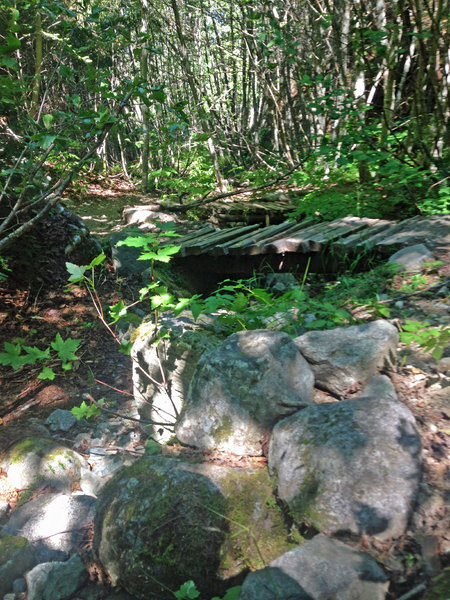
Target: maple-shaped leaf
{"x": 76, "y": 272}
{"x": 47, "y": 373}
{"x": 116, "y": 311}
{"x": 33, "y": 354}
{"x": 65, "y": 348}
{"x": 12, "y": 356}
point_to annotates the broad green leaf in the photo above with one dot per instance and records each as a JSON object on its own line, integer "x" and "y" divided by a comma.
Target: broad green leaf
{"x": 65, "y": 348}
{"x": 187, "y": 591}
{"x": 34, "y": 353}
{"x": 137, "y": 241}
{"x": 9, "y": 63}
{"x": 96, "y": 261}
{"x": 125, "y": 347}
{"x": 117, "y": 311}
{"x": 12, "y": 357}
{"x": 46, "y": 141}
{"x": 196, "y": 309}
{"x": 48, "y": 120}
{"x": 76, "y": 272}
{"x": 47, "y": 373}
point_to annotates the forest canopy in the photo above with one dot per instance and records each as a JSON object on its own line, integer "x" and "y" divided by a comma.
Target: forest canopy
{"x": 350, "y": 97}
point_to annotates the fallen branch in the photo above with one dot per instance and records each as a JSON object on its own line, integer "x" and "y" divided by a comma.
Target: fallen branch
{"x": 205, "y": 200}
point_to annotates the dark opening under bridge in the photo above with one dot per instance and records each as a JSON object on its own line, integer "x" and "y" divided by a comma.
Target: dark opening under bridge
{"x": 210, "y": 253}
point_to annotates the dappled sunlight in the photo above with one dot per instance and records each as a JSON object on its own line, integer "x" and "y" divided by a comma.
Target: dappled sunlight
{"x": 56, "y": 519}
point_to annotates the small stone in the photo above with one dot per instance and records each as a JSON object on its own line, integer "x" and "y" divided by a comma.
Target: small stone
{"x": 443, "y": 365}
{"x": 61, "y": 420}
{"x": 19, "y": 586}
{"x": 399, "y": 304}
{"x": 412, "y": 258}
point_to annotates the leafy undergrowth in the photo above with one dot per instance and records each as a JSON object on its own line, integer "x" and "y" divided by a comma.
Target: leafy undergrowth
{"x": 37, "y": 319}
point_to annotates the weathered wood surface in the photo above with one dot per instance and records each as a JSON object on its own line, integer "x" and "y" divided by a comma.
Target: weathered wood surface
{"x": 349, "y": 233}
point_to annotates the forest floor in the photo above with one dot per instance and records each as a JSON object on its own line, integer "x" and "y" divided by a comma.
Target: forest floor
{"x": 37, "y": 316}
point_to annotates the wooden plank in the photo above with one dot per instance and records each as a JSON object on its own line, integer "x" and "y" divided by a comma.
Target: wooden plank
{"x": 297, "y": 242}
{"x": 361, "y": 237}
{"x": 238, "y": 245}
{"x": 202, "y": 245}
{"x": 396, "y": 228}
{"x": 418, "y": 230}
{"x": 260, "y": 245}
{"x": 338, "y": 231}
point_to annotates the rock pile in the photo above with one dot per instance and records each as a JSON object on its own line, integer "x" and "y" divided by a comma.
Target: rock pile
{"x": 347, "y": 468}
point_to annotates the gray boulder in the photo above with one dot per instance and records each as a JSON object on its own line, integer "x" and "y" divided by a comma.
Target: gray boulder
{"x": 52, "y": 523}
{"x": 16, "y": 557}
{"x": 64, "y": 579}
{"x": 241, "y": 389}
{"x": 36, "y": 462}
{"x": 350, "y": 467}
{"x": 182, "y": 341}
{"x": 321, "y": 568}
{"x": 411, "y": 258}
{"x": 168, "y": 521}
{"x": 56, "y": 580}
{"x": 341, "y": 357}
{"x": 36, "y": 578}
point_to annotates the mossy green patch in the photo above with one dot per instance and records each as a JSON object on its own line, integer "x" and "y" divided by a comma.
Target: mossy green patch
{"x": 31, "y": 444}
{"x": 224, "y": 431}
{"x": 302, "y": 508}
{"x": 10, "y": 545}
{"x": 257, "y": 532}
{"x": 440, "y": 586}
{"x": 163, "y": 520}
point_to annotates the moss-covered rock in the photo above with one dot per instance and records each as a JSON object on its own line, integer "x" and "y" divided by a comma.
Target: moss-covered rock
{"x": 16, "y": 557}
{"x": 162, "y": 522}
{"x": 35, "y": 462}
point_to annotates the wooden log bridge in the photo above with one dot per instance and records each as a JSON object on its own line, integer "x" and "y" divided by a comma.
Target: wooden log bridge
{"x": 349, "y": 233}
{"x": 209, "y": 254}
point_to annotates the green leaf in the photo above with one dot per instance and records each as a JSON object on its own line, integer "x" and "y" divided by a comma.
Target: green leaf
{"x": 437, "y": 353}
{"x": 12, "y": 357}
{"x": 117, "y": 311}
{"x": 125, "y": 347}
{"x": 46, "y": 141}
{"x": 231, "y": 594}
{"x": 47, "y": 373}
{"x": 9, "y": 63}
{"x": 76, "y": 272}
{"x": 48, "y": 120}
{"x": 34, "y": 354}
{"x": 65, "y": 348}
{"x": 187, "y": 591}
{"x": 86, "y": 411}
{"x": 196, "y": 309}
{"x": 158, "y": 95}
{"x": 137, "y": 242}
{"x": 97, "y": 261}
